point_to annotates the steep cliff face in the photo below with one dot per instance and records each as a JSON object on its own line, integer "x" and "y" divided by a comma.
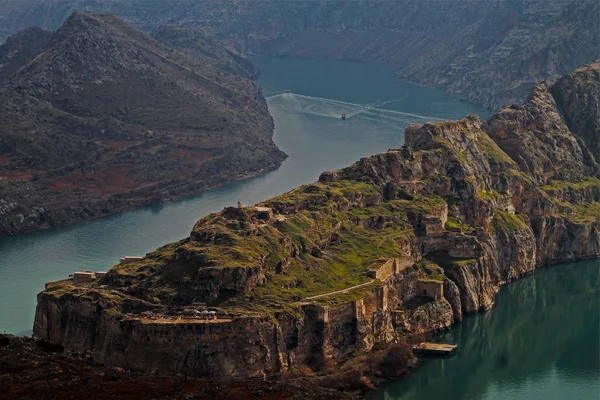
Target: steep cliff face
{"x": 545, "y": 135}
{"x": 491, "y": 52}
{"x": 578, "y": 96}
{"x": 399, "y": 243}
{"x": 99, "y": 117}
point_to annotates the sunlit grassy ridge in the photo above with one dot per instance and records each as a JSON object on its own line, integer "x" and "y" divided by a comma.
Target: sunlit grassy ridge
{"x": 588, "y": 182}
{"x": 325, "y": 236}
{"x": 321, "y": 239}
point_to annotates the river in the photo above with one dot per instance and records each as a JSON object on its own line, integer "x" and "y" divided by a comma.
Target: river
{"x": 541, "y": 341}
{"x": 306, "y": 99}
{"x": 308, "y": 128}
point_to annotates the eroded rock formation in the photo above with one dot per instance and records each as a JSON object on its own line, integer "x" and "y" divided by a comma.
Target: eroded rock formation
{"x": 402, "y": 242}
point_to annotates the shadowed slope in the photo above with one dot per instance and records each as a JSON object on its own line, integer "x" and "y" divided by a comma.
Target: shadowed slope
{"x": 104, "y": 118}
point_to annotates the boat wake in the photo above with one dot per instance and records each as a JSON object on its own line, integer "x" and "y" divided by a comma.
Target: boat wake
{"x": 335, "y": 108}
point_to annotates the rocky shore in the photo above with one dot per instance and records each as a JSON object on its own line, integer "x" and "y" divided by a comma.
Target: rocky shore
{"x": 398, "y": 244}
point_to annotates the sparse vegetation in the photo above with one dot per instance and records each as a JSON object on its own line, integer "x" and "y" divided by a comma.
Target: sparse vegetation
{"x": 350, "y": 296}
{"x": 488, "y": 195}
{"x": 516, "y": 173}
{"x": 589, "y": 182}
{"x": 461, "y": 262}
{"x": 443, "y": 141}
{"x": 582, "y": 213}
{"x": 457, "y": 225}
{"x": 430, "y": 270}
{"x": 437, "y": 178}
{"x": 508, "y": 223}
{"x": 493, "y": 151}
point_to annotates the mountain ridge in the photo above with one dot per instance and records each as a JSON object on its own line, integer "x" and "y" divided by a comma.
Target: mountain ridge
{"x": 490, "y": 52}
{"x": 398, "y": 244}
{"x": 103, "y": 118}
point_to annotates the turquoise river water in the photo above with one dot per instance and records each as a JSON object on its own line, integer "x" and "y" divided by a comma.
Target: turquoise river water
{"x": 540, "y": 342}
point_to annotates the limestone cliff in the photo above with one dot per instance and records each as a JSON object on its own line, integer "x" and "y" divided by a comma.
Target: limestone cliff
{"x": 399, "y": 243}
{"x": 578, "y": 95}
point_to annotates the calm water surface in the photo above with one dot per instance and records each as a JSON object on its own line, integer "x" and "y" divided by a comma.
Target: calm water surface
{"x": 541, "y": 341}
{"x": 308, "y": 129}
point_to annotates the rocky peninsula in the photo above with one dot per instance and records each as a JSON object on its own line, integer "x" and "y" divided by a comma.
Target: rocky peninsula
{"x": 398, "y": 244}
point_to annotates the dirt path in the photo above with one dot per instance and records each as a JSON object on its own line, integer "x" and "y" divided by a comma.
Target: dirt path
{"x": 339, "y": 291}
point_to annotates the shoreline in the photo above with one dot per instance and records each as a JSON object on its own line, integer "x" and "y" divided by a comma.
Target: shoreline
{"x": 135, "y": 205}
{"x": 253, "y": 389}
{"x": 382, "y": 384}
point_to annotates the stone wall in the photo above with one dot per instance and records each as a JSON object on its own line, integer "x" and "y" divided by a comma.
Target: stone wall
{"x": 431, "y": 288}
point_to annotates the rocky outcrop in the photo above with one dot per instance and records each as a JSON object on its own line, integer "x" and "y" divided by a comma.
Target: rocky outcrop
{"x": 578, "y": 96}
{"x": 538, "y": 138}
{"x": 398, "y": 244}
{"x": 21, "y": 48}
{"x": 490, "y": 52}
{"x": 99, "y": 117}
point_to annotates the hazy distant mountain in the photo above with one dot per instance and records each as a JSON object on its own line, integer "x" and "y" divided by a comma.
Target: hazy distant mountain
{"x": 205, "y": 49}
{"x": 491, "y": 52}
{"x": 99, "y": 117}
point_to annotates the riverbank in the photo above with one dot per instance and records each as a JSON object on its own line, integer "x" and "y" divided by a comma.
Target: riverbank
{"x": 314, "y": 143}
{"x": 539, "y": 341}
{"x": 75, "y": 210}
{"x": 510, "y": 337}
{"x": 440, "y": 223}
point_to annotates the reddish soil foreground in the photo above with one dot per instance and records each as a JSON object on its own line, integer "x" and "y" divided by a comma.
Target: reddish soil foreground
{"x": 110, "y": 180}
{"x": 16, "y": 175}
{"x": 120, "y": 178}
{"x": 31, "y": 369}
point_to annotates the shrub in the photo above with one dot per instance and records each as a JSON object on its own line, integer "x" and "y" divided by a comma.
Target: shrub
{"x": 397, "y": 360}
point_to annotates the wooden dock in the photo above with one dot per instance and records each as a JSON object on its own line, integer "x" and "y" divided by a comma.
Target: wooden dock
{"x": 434, "y": 349}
